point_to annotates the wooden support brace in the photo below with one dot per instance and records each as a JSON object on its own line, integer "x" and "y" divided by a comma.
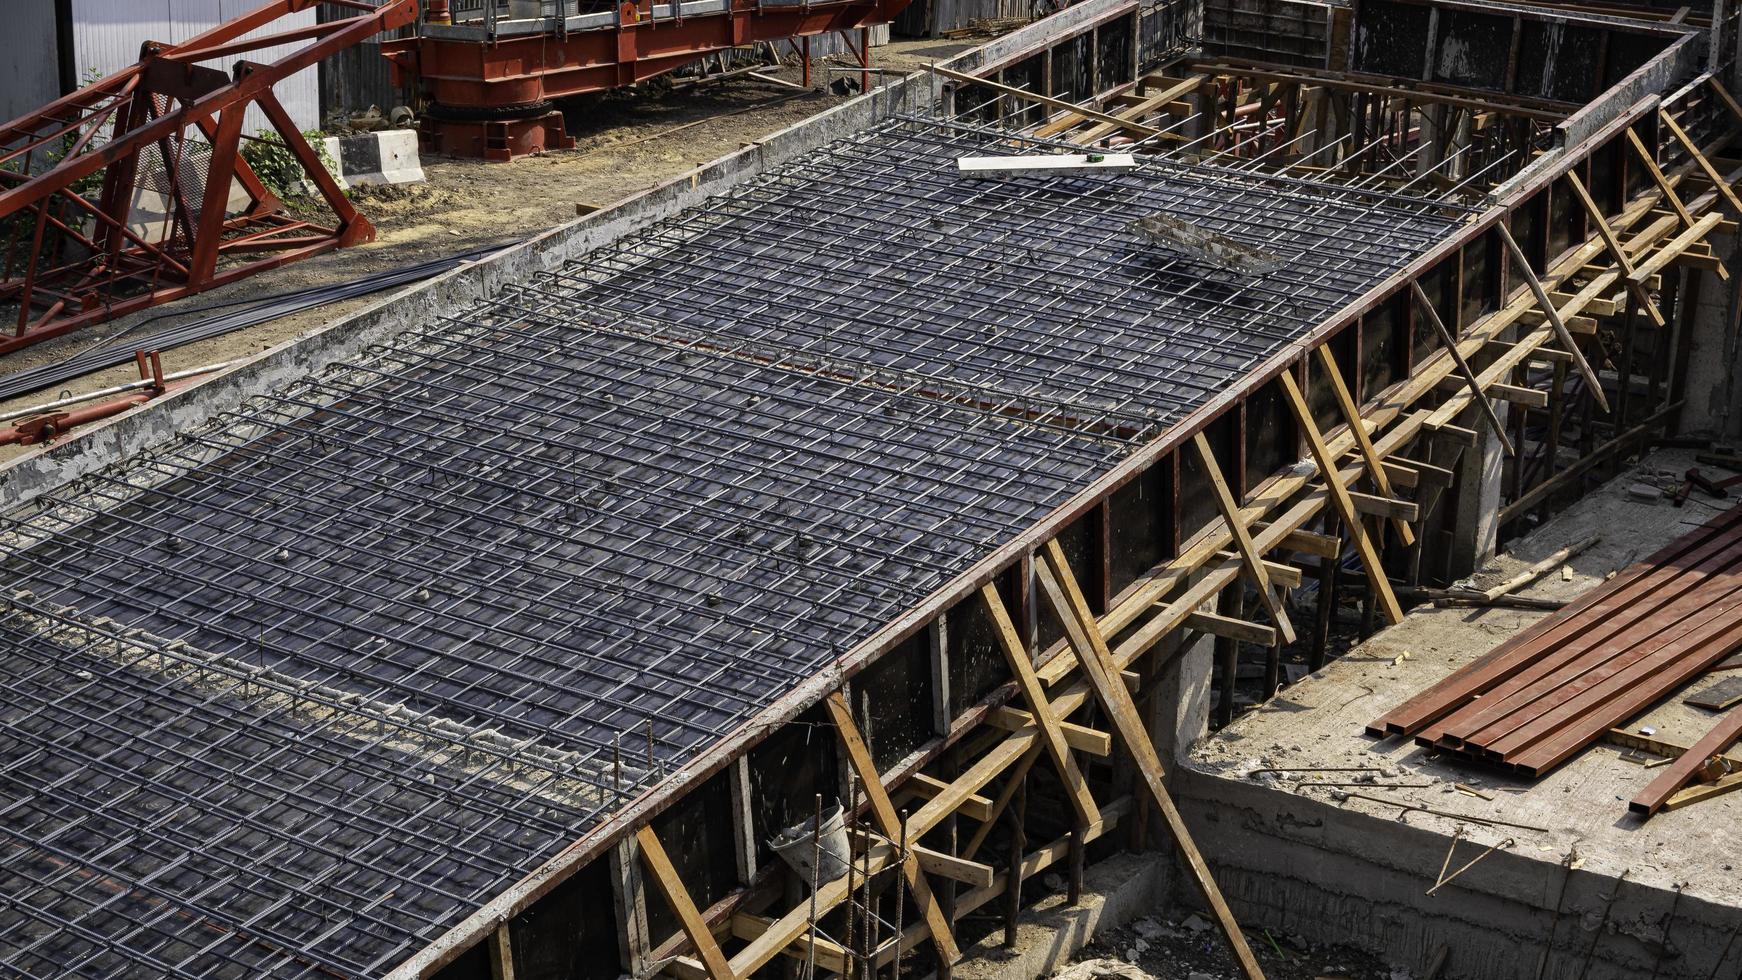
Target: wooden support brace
{"x": 1327, "y": 464}
{"x": 1363, "y": 442}
{"x": 929, "y": 787}
{"x": 1522, "y": 265}
{"x": 1102, "y": 672}
{"x": 1052, "y": 103}
{"x": 1255, "y": 567}
{"x": 1309, "y": 543}
{"x": 1641, "y": 298}
{"x": 1281, "y": 574}
{"x": 1034, "y": 692}
{"x": 1517, "y": 395}
{"x": 1386, "y": 507}
{"x": 1018, "y": 773}
{"x": 1673, "y": 248}
{"x": 1217, "y": 624}
{"x": 1080, "y": 737}
{"x": 1669, "y": 195}
{"x": 1467, "y": 438}
{"x": 830, "y": 955}
{"x": 678, "y": 897}
{"x": 1475, "y": 385}
{"x": 501, "y": 954}
{"x": 889, "y": 824}
{"x": 1718, "y": 182}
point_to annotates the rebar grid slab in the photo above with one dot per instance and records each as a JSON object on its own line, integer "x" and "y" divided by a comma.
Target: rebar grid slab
{"x": 294, "y": 693}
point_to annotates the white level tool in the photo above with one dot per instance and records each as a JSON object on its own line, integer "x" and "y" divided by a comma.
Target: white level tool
{"x": 1043, "y": 162}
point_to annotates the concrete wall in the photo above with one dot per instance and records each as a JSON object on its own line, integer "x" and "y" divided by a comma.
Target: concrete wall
{"x": 1285, "y": 861}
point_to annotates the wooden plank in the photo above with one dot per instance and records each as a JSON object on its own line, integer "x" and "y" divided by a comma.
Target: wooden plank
{"x": 501, "y": 954}
{"x": 695, "y": 927}
{"x": 1029, "y": 757}
{"x": 1694, "y": 794}
{"x": 1339, "y": 494}
{"x": 1217, "y": 624}
{"x": 1284, "y": 575}
{"x": 1309, "y": 543}
{"x": 1254, "y": 560}
{"x": 1363, "y": 442}
{"x": 1522, "y": 264}
{"x": 889, "y": 823}
{"x": 1642, "y": 300}
{"x": 1721, "y": 185}
{"x": 1034, "y": 692}
{"x": 1386, "y": 507}
{"x": 1683, "y": 770}
{"x": 1674, "y": 247}
{"x": 1102, "y": 673}
{"x": 1477, "y": 395}
{"x": 929, "y": 788}
{"x": 959, "y": 869}
{"x": 830, "y": 955}
{"x": 1080, "y": 737}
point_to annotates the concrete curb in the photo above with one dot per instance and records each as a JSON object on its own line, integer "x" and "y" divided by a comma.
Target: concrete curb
{"x": 385, "y": 157}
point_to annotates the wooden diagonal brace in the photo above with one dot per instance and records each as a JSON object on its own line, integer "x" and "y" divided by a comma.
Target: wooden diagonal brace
{"x": 1721, "y": 185}
{"x": 678, "y": 897}
{"x": 1249, "y": 553}
{"x": 1357, "y": 428}
{"x": 1522, "y": 263}
{"x": 1102, "y": 672}
{"x": 1017, "y": 774}
{"x": 889, "y": 824}
{"x": 1642, "y": 299}
{"x": 1034, "y": 692}
{"x": 1657, "y": 177}
{"x": 1327, "y": 463}
{"x": 1477, "y": 395}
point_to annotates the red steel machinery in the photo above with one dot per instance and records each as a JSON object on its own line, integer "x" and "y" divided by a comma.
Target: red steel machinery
{"x": 133, "y": 190}
{"x": 490, "y": 79}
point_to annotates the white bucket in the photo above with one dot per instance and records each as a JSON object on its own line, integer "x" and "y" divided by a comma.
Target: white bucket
{"x": 798, "y": 846}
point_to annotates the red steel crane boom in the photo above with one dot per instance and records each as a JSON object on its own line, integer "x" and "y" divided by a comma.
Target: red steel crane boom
{"x": 132, "y": 191}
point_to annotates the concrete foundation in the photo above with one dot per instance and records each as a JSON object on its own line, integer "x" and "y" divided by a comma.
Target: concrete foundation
{"x": 1049, "y": 933}
{"x": 1576, "y": 887}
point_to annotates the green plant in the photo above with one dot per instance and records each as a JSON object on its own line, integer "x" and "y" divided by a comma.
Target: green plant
{"x": 278, "y": 168}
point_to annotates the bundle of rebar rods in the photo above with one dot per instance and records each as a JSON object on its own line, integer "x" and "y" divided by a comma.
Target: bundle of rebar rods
{"x": 1557, "y": 687}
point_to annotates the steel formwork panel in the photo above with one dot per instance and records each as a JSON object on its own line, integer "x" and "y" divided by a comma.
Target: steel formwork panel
{"x": 507, "y": 572}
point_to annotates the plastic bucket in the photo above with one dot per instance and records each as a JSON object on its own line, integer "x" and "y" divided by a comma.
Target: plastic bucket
{"x": 799, "y": 846}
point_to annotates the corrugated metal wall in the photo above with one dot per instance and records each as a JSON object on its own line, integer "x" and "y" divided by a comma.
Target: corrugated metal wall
{"x": 30, "y": 71}
{"x": 107, "y": 35}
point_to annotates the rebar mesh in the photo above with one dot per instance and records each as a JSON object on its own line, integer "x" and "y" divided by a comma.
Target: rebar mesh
{"x": 297, "y": 691}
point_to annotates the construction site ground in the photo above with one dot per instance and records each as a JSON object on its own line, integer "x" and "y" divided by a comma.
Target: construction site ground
{"x": 1342, "y": 815}
{"x": 627, "y": 141}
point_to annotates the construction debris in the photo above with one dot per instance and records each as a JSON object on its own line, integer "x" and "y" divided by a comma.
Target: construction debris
{"x": 1210, "y": 247}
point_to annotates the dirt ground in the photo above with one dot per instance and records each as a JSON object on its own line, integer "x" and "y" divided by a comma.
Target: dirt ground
{"x": 626, "y": 142}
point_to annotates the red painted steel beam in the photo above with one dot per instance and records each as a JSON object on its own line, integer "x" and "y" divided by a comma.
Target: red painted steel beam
{"x": 1683, "y": 770}
{"x": 79, "y": 246}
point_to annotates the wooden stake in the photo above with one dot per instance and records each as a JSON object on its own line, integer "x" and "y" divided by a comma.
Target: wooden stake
{"x": 1475, "y": 385}
{"x": 1613, "y": 244}
{"x": 1103, "y": 675}
{"x": 1718, "y": 182}
{"x": 1552, "y": 314}
{"x": 1364, "y": 442}
{"x": 1321, "y": 453}
{"x": 1249, "y": 553}
{"x": 1034, "y": 692}
{"x": 678, "y": 897}
{"x": 889, "y": 824}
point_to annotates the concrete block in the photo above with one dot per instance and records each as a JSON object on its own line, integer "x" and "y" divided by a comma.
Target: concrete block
{"x": 385, "y": 157}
